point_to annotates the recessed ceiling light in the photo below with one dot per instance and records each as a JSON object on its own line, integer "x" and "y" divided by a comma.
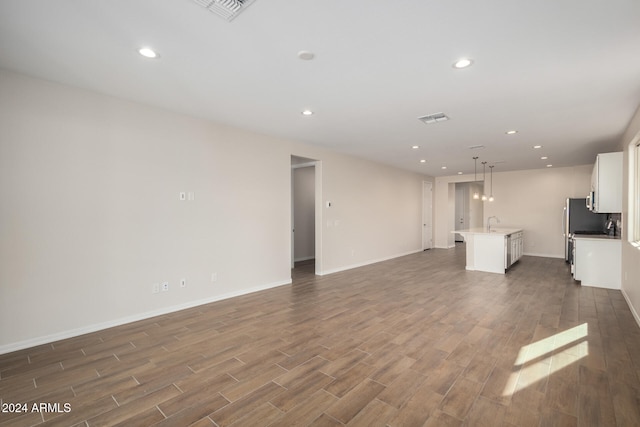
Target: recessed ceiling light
{"x": 549, "y": 166}
{"x": 459, "y": 173}
{"x": 415, "y": 147}
{"x": 462, "y": 63}
{"x": 148, "y": 52}
{"x": 511, "y": 132}
{"x": 543, "y": 158}
{"x": 537, "y": 146}
{"x": 423, "y": 161}
{"x": 305, "y": 55}
{"x": 307, "y": 113}
{"x": 443, "y": 167}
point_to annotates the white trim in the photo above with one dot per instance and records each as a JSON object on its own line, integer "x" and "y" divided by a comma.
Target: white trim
{"x": 362, "y": 264}
{"x": 633, "y": 192}
{"x": 599, "y": 286}
{"x": 633, "y": 310}
{"x": 48, "y": 339}
{"x": 303, "y": 165}
{"x": 305, "y": 258}
{"x": 543, "y": 255}
{"x": 525, "y": 253}
{"x": 292, "y": 218}
{"x": 319, "y": 218}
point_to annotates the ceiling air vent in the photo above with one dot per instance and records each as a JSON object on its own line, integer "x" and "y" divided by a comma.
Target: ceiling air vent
{"x": 434, "y": 118}
{"x": 227, "y": 9}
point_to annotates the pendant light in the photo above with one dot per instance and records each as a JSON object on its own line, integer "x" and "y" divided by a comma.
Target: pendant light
{"x": 475, "y": 177}
{"x": 491, "y": 191}
{"x": 484, "y": 174}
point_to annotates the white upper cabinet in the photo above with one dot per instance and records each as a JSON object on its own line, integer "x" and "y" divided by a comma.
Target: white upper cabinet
{"x": 606, "y": 183}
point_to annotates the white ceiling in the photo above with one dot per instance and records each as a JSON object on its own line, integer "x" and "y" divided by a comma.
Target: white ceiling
{"x": 565, "y": 74}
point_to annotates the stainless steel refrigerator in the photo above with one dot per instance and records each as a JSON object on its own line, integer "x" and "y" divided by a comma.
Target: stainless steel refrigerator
{"x": 577, "y": 219}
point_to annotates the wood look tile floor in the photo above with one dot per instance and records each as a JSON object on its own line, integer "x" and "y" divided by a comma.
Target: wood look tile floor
{"x": 415, "y": 341}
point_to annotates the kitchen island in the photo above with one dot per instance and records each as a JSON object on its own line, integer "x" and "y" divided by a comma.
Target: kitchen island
{"x": 492, "y": 250}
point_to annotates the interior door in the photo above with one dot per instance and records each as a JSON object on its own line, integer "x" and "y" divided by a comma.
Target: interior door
{"x": 462, "y": 216}
{"x": 427, "y": 204}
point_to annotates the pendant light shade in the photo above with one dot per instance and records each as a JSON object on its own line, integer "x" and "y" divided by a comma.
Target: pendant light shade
{"x": 476, "y": 196}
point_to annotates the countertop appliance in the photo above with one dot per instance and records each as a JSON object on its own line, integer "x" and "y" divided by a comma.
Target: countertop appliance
{"x": 578, "y": 219}
{"x": 610, "y": 227}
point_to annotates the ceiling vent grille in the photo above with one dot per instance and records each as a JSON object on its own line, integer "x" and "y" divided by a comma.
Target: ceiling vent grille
{"x": 226, "y": 9}
{"x": 434, "y": 118}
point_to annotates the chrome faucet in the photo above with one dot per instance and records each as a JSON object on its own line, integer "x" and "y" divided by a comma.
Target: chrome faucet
{"x": 489, "y": 222}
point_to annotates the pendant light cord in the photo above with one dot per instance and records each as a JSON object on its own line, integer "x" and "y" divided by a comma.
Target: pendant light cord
{"x": 475, "y": 169}
{"x": 475, "y": 177}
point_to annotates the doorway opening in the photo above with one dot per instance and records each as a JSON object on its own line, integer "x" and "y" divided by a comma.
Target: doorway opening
{"x": 305, "y": 215}
{"x": 427, "y": 215}
{"x": 468, "y": 211}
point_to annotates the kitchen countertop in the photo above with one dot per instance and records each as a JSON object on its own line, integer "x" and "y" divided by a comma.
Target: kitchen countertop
{"x": 596, "y": 237}
{"x": 494, "y": 231}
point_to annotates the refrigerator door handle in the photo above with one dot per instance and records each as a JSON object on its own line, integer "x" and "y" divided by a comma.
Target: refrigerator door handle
{"x": 564, "y": 222}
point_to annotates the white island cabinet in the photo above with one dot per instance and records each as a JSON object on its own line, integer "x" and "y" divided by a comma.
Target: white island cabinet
{"x": 492, "y": 251}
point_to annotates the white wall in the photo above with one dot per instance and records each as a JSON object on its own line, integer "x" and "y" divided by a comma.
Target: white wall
{"x": 90, "y": 216}
{"x": 531, "y": 199}
{"x": 630, "y": 253}
{"x": 375, "y": 213}
{"x": 304, "y": 213}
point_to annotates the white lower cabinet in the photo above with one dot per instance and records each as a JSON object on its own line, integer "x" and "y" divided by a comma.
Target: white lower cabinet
{"x": 597, "y": 262}
{"x": 516, "y": 243}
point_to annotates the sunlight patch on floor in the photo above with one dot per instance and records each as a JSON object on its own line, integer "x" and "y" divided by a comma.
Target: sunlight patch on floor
{"x": 539, "y": 360}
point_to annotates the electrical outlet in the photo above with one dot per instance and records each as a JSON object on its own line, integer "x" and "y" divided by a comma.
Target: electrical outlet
{"x": 214, "y": 277}
{"x": 155, "y": 288}
{"x": 165, "y": 286}
{"x": 183, "y": 283}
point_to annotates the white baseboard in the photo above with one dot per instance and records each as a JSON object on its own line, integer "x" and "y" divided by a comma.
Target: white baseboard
{"x": 307, "y": 258}
{"x": 362, "y": 264}
{"x": 600, "y": 286}
{"x": 46, "y": 339}
{"x": 543, "y": 255}
{"x": 631, "y": 307}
